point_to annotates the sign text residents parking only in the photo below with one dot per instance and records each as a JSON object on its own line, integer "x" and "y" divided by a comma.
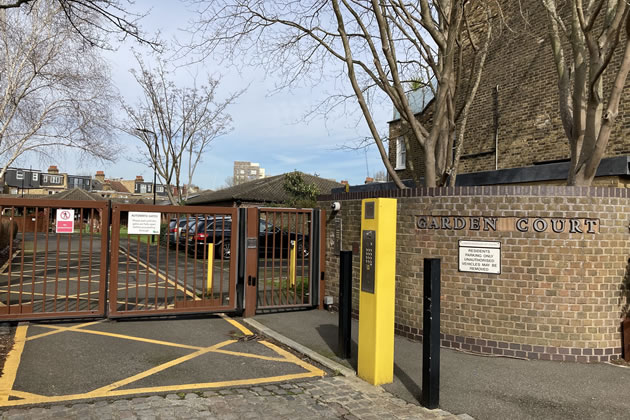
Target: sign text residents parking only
{"x": 480, "y": 257}
{"x": 65, "y": 221}
{"x": 144, "y": 223}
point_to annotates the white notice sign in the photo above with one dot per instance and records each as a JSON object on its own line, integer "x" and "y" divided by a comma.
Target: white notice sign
{"x": 143, "y": 223}
{"x": 480, "y": 256}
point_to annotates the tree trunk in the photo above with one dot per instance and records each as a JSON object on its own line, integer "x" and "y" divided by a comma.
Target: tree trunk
{"x": 429, "y": 165}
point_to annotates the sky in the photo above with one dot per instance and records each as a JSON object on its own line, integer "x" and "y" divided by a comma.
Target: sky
{"x": 267, "y": 129}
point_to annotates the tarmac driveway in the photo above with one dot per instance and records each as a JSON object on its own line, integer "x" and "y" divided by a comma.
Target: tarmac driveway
{"x": 53, "y": 363}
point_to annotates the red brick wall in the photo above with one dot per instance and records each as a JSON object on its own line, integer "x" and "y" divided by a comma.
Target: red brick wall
{"x": 559, "y": 295}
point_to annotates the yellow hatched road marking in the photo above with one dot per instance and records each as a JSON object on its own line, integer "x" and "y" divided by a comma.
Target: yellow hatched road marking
{"x": 171, "y": 388}
{"x": 159, "y": 368}
{"x": 12, "y": 362}
{"x": 22, "y": 394}
{"x": 61, "y": 329}
{"x": 238, "y": 325}
{"x": 125, "y": 337}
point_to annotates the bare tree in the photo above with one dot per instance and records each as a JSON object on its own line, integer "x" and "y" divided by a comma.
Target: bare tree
{"x": 175, "y": 124}
{"x": 230, "y": 181}
{"x": 56, "y": 91}
{"x": 377, "y": 48}
{"x": 380, "y": 176}
{"x": 591, "y": 32}
{"x": 93, "y": 20}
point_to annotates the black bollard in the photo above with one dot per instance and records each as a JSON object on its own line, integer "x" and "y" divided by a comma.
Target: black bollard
{"x": 431, "y": 335}
{"x": 345, "y": 304}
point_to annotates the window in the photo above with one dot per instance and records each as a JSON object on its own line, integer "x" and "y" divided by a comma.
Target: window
{"x": 35, "y": 176}
{"x": 143, "y": 188}
{"x": 19, "y": 175}
{"x": 253, "y": 171}
{"x": 45, "y": 178}
{"x": 159, "y": 188}
{"x": 149, "y": 188}
{"x": 401, "y": 154}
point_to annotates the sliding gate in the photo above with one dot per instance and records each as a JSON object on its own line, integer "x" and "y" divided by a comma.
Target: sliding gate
{"x": 56, "y": 255}
{"x": 186, "y": 268}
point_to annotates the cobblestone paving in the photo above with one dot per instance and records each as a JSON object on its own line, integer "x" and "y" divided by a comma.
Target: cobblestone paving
{"x": 328, "y": 398}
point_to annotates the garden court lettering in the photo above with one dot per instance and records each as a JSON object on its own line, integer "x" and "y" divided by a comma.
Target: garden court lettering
{"x": 509, "y": 224}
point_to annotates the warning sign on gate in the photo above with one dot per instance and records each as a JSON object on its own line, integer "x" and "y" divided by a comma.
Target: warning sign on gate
{"x": 144, "y": 223}
{"x": 65, "y": 221}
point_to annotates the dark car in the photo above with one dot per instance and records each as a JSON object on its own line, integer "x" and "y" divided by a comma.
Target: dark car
{"x": 275, "y": 242}
{"x": 189, "y": 225}
{"x": 215, "y": 230}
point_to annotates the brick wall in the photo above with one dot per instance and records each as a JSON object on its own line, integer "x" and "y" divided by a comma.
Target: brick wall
{"x": 520, "y": 64}
{"x": 559, "y": 296}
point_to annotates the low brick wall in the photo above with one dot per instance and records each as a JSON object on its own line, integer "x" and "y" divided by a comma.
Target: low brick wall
{"x": 565, "y": 273}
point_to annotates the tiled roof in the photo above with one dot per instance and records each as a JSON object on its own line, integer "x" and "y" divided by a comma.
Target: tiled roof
{"x": 76, "y": 194}
{"x": 117, "y": 186}
{"x": 266, "y": 190}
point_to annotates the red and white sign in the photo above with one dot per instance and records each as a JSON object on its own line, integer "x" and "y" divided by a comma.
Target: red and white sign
{"x": 65, "y": 221}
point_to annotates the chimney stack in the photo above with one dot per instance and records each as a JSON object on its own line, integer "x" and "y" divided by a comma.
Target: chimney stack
{"x": 369, "y": 180}
{"x": 100, "y": 176}
{"x": 139, "y": 178}
{"x": 53, "y": 170}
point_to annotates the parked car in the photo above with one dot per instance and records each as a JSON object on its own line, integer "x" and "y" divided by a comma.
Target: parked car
{"x": 276, "y": 242}
{"x": 177, "y": 230}
{"x": 273, "y": 242}
{"x": 211, "y": 229}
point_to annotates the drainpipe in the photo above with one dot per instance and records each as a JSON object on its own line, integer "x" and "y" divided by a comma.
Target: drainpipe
{"x": 496, "y": 127}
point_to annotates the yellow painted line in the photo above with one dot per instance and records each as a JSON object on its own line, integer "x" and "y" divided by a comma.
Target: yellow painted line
{"x": 160, "y": 275}
{"x": 101, "y": 392}
{"x": 294, "y": 359}
{"x": 125, "y": 337}
{"x": 236, "y": 324}
{"x": 12, "y": 362}
{"x": 170, "y": 388}
{"x": 237, "y": 382}
{"x": 253, "y": 356}
{"x": 22, "y": 394}
{"x": 61, "y": 329}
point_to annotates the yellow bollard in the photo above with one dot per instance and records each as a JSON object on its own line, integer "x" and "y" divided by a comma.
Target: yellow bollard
{"x": 377, "y": 294}
{"x": 210, "y": 265}
{"x": 292, "y": 264}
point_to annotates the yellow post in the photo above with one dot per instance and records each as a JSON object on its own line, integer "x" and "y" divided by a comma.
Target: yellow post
{"x": 377, "y": 294}
{"x": 292, "y": 264}
{"x": 210, "y": 266}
